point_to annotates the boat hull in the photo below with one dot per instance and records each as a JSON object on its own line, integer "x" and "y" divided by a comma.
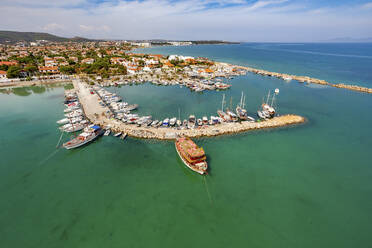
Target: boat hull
{"x": 201, "y": 172}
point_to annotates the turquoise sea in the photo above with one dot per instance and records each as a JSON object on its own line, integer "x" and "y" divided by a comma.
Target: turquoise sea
{"x": 301, "y": 186}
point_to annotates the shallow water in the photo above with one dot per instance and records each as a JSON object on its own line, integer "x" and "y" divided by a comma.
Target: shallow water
{"x": 300, "y": 186}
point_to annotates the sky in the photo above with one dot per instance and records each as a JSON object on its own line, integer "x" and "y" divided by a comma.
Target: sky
{"x": 230, "y": 20}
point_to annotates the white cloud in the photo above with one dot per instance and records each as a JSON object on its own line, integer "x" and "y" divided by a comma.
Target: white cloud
{"x": 264, "y": 20}
{"x": 367, "y": 5}
{"x": 52, "y": 27}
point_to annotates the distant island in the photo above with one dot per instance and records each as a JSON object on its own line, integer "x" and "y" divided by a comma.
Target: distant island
{"x": 12, "y": 37}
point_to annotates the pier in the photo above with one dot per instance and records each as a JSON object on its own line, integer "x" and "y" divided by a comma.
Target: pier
{"x": 101, "y": 115}
{"x": 305, "y": 79}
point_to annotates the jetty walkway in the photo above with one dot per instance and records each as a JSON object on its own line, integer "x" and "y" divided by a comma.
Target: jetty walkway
{"x": 305, "y": 79}
{"x": 100, "y": 115}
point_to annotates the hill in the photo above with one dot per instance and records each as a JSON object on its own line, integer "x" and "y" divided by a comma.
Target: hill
{"x": 13, "y": 37}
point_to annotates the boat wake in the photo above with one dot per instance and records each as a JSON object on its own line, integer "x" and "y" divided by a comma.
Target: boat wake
{"x": 206, "y": 187}
{"x": 48, "y": 157}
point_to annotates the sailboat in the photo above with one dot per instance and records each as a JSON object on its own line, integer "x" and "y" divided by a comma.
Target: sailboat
{"x": 267, "y": 109}
{"x": 222, "y": 114}
{"x": 240, "y": 111}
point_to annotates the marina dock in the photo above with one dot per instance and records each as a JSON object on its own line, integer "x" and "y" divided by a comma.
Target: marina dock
{"x": 101, "y": 115}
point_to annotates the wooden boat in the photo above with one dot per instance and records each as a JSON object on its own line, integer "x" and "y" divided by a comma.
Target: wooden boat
{"x": 89, "y": 134}
{"x": 191, "y": 155}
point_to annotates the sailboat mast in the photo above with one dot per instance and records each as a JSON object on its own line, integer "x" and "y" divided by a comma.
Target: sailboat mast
{"x": 272, "y": 100}
{"x": 179, "y": 114}
{"x": 223, "y": 100}
{"x": 268, "y": 96}
{"x": 241, "y": 100}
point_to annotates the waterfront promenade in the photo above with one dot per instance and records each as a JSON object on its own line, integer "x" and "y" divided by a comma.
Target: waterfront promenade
{"x": 100, "y": 115}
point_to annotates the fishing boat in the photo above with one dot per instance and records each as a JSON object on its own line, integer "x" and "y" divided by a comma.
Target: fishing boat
{"x": 89, "y": 134}
{"x": 191, "y": 155}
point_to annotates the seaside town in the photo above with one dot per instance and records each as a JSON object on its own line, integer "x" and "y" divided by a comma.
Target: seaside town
{"x": 90, "y": 108}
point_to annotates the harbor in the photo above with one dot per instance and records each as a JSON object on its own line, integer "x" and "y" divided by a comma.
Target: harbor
{"x": 100, "y": 114}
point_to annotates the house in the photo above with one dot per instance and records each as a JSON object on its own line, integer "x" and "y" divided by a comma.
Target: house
{"x": 49, "y": 69}
{"x": 8, "y": 63}
{"x": 118, "y": 61}
{"x": 3, "y": 75}
{"x": 167, "y": 64}
{"x": 88, "y": 61}
{"x": 50, "y": 62}
{"x": 74, "y": 59}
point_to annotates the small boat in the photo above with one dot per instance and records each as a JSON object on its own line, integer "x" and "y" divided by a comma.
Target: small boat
{"x": 107, "y": 132}
{"x": 165, "y": 122}
{"x": 123, "y": 136}
{"x": 232, "y": 115}
{"x": 250, "y": 118}
{"x": 172, "y": 121}
{"x": 191, "y": 155}
{"x": 117, "y": 134}
{"x": 178, "y": 123}
{"x": 70, "y": 109}
{"x": 192, "y": 121}
{"x": 205, "y": 120}
{"x": 155, "y": 123}
{"x": 261, "y": 114}
{"x": 131, "y": 107}
{"x": 200, "y": 122}
{"x": 85, "y": 137}
{"x": 63, "y": 121}
{"x": 72, "y": 127}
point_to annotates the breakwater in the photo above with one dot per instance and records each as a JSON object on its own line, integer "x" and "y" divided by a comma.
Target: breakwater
{"x": 101, "y": 115}
{"x": 306, "y": 79}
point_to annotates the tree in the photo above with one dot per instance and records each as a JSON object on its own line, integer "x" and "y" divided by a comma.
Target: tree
{"x": 3, "y": 67}
{"x": 67, "y": 70}
{"x": 30, "y": 69}
{"x": 13, "y": 71}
